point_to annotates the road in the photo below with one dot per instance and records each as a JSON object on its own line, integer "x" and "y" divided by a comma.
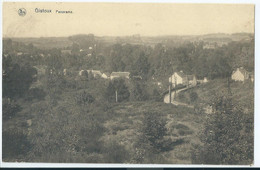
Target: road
{"x": 177, "y": 103}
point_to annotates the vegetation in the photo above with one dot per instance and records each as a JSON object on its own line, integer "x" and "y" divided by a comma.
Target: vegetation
{"x": 49, "y": 116}
{"x": 227, "y": 135}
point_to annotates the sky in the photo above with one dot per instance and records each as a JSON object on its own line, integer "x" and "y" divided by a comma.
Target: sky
{"x": 121, "y": 19}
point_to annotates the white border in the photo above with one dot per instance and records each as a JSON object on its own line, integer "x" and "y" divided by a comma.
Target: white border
{"x": 257, "y": 92}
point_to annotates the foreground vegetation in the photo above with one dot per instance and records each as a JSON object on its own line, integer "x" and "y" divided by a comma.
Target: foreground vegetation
{"x": 49, "y": 116}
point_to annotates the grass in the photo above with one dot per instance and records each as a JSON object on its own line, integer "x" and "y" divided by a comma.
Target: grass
{"x": 124, "y": 126}
{"x": 242, "y": 93}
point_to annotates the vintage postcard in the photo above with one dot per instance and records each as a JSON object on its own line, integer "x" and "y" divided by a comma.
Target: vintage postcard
{"x": 128, "y": 83}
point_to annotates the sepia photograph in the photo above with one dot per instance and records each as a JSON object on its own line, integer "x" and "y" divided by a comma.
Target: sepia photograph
{"x": 128, "y": 83}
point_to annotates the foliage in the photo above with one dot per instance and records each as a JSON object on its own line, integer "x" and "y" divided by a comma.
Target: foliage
{"x": 193, "y": 96}
{"x": 224, "y": 138}
{"x": 138, "y": 91}
{"x": 118, "y": 85}
{"x": 15, "y": 145}
{"x": 35, "y": 93}
{"x": 17, "y": 78}
{"x": 154, "y": 130}
{"x": 84, "y": 98}
{"x": 10, "y": 108}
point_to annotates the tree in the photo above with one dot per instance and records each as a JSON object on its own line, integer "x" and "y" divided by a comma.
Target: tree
{"x": 154, "y": 130}
{"x": 84, "y": 98}
{"x": 139, "y": 93}
{"x": 225, "y": 137}
{"x": 118, "y": 85}
{"x": 10, "y": 108}
{"x": 141, "y": 66}
{"x": 17, "y": 78}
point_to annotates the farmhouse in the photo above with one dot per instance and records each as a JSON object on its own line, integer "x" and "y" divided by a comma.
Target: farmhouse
{"x": 119, "y": 75}
{"x": 178, "y": 78}
{"x": 240, "y": 74}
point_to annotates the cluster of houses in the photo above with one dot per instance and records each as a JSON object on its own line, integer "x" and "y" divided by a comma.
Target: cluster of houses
{"x": 179, "y": 78}
{"x": 105, "y": 75}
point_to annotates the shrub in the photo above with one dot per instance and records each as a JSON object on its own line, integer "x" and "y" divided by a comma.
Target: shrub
{"x": 84, "y": 98}
{"x": 193, "y": 97}
{"x": 10, "y": 108}
{"x": 35, "y": 93}
{"x": 15, "y": 145}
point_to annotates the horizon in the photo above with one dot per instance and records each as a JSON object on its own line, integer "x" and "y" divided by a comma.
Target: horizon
{"x": 4, "y": 37}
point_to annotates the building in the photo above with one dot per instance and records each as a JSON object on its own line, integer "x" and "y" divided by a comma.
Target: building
{"x": 240, "y": 74}
{"x": 96, "y": 73}
{"x": 178, "y": 78}
{"x": 82, "y": 73}
{"x": 105, "y": 75}
{"x": 119, "y": 75}
{"x": 192, "y": 80}
{"x": 205, "y": 80}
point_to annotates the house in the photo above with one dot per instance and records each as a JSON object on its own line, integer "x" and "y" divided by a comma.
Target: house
{"x": 137, "y": 77}
{"x": 178, "y": 78}
{"x": 105, "y": 75}
{"x": 82, "y": 73}
{"x": 205, "y": 80}
{"x": 96, "y": 73}
{"x": 19, "y": 54}
{"x": 192, "y": 80}
{"x": 119, "y": 75}
{"x": 240, "y": 74}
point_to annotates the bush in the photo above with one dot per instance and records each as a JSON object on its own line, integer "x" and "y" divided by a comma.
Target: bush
{"x": 224, "y": 137}
{"x": 10, "y": 108}
{"x": 84, "y": 98}
{"x": 35, "y": 93}
{"x": 115, "y": 153}
{"x": 15, "y": 145}
{"x": 193, "y": 97}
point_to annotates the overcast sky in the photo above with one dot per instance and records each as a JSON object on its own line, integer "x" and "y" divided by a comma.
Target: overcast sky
{"x": 118, "y": 19}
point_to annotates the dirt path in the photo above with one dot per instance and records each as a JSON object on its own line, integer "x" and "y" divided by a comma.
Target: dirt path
{"x": 177, "y": 103}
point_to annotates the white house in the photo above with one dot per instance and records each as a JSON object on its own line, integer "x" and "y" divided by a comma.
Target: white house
{"x": 178, "y": 78}
{"x": 240, "y": 74}
{"x": 96, "y": 73}
{"x": 105, "y": 75}
{"x": 205, "y": 80}
{"x": 119, "y": 75}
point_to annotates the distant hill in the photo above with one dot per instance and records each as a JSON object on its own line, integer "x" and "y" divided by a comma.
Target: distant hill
{"x": 175, "y": 40}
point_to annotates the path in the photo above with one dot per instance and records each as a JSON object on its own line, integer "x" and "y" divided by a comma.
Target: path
{"x": 177, "y": 103}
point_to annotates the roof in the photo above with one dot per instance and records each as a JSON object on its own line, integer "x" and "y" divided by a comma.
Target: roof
{"x": 190, "y": 77}
{"x": 120, "y": 74}
{"x": 181, "y": 74}
{"x": 242, "y": 70}
{"x": 96, "y": 72}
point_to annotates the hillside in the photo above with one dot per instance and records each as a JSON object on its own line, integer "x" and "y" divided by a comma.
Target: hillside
{"x": 242, "y": 93}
